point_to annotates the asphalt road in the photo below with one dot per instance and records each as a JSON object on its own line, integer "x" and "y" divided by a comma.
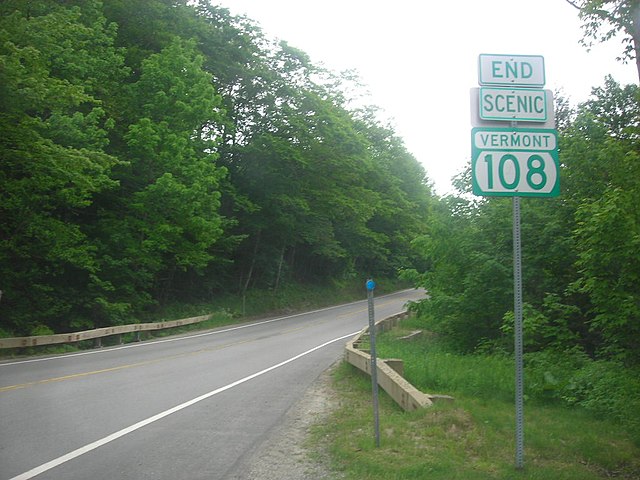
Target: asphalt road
{"x": 190, "y": 407}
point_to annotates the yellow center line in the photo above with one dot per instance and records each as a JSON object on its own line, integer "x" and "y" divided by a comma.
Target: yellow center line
{"x": 120, "y": 367}
{"x": 157, "y": 360}
{"x": 69, "y": 377}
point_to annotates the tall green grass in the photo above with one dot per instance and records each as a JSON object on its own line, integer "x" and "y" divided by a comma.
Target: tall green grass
{"x": 471, "y": 438}
{"x": 605, "y": 389}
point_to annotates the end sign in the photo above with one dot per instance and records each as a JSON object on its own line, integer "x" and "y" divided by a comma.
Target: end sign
{"x": 511, "y": 70}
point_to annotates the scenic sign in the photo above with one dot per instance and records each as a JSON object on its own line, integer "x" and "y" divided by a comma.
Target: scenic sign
{"x": 514, "y": 104}
{"x": 489, "y": 122}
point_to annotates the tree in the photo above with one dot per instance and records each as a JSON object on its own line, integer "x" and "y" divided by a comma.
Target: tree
{"x": 601, "y": 153}
{"x": 156, "y": 150}
{"x": 469, "y": 276}
{"x": 604, "y": 19}
{"x": 56, "y": 63}
{"x": 407, "y": 200}
{"x": 580, "y": 249}
{"x": 164, "y": 219}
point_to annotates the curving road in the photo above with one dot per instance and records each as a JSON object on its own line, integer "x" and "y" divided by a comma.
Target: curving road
{"x": 191, "y": 407}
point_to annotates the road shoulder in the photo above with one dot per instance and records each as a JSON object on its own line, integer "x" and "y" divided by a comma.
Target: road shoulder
{"x": 286, "y": 454}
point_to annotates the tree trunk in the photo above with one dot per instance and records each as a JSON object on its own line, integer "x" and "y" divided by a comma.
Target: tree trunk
{"x": 280, "y": 262}
{"x": 253, "y": 263}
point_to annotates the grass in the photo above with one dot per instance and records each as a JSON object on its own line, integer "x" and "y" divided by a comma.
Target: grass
{"x": 472, "y": 437}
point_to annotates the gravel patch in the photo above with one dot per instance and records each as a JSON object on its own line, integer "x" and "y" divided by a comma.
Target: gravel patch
{"x": 285, "y": 455}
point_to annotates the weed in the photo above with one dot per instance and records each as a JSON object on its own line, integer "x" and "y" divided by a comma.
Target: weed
{"x": 472, "y": 438}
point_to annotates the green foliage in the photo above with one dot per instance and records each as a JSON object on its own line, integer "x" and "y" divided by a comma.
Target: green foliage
{"x": 313, "y": 178}
{"x": 607, "y": 389}
{"x": 469, "y": 438}
{"x": 580, "y": 251}
{"x": 469, "y": 276}
{"x": 54, "y": 61}
{"x": 606, "y": 19}
{"x": 156, "y": 152}
{"x": 609, "y": 240}
{"x": 544, "y": 329}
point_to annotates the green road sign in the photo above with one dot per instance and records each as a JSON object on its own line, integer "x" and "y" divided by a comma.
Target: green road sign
{"x": 513, "y": 104}
{"x": 511, "y": 70}
{"x": 507, "y": 162}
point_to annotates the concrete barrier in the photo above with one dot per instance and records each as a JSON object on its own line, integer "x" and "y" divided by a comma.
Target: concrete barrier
{"x": 389, "y": 378}
{"x": 21, "y": 342}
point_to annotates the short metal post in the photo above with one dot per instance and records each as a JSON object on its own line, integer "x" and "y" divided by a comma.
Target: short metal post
{"x": 374, "y": 364}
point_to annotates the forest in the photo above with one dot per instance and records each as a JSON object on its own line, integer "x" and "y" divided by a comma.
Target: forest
{"x": 166, "y": 151}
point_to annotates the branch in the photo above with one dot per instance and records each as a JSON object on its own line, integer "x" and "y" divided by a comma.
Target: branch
{"x": 573, "y": 4}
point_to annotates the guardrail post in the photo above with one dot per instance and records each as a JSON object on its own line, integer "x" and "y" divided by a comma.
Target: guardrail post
{"x": 97, "y": 342}
{"x": 405, "y": 395}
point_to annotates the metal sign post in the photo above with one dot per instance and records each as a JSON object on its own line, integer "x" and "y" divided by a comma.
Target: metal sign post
{"x": 517, "y": 307}
{"x": 374, "y": 365}
{"x": 512, "y": 161}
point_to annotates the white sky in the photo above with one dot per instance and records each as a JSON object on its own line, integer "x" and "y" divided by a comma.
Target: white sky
{"x": 419, "y": 58}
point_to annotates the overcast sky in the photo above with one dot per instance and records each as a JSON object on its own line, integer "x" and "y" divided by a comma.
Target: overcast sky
{"x": 419, "y": 59}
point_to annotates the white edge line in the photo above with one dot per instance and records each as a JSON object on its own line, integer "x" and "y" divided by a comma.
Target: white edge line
{"x": 121, "y": 433}
{"x": 214, "y": 332}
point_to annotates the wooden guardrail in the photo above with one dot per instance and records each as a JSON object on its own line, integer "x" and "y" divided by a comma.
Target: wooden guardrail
{"x": 20, "y": 342}
{"x": 389, "y": 371}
